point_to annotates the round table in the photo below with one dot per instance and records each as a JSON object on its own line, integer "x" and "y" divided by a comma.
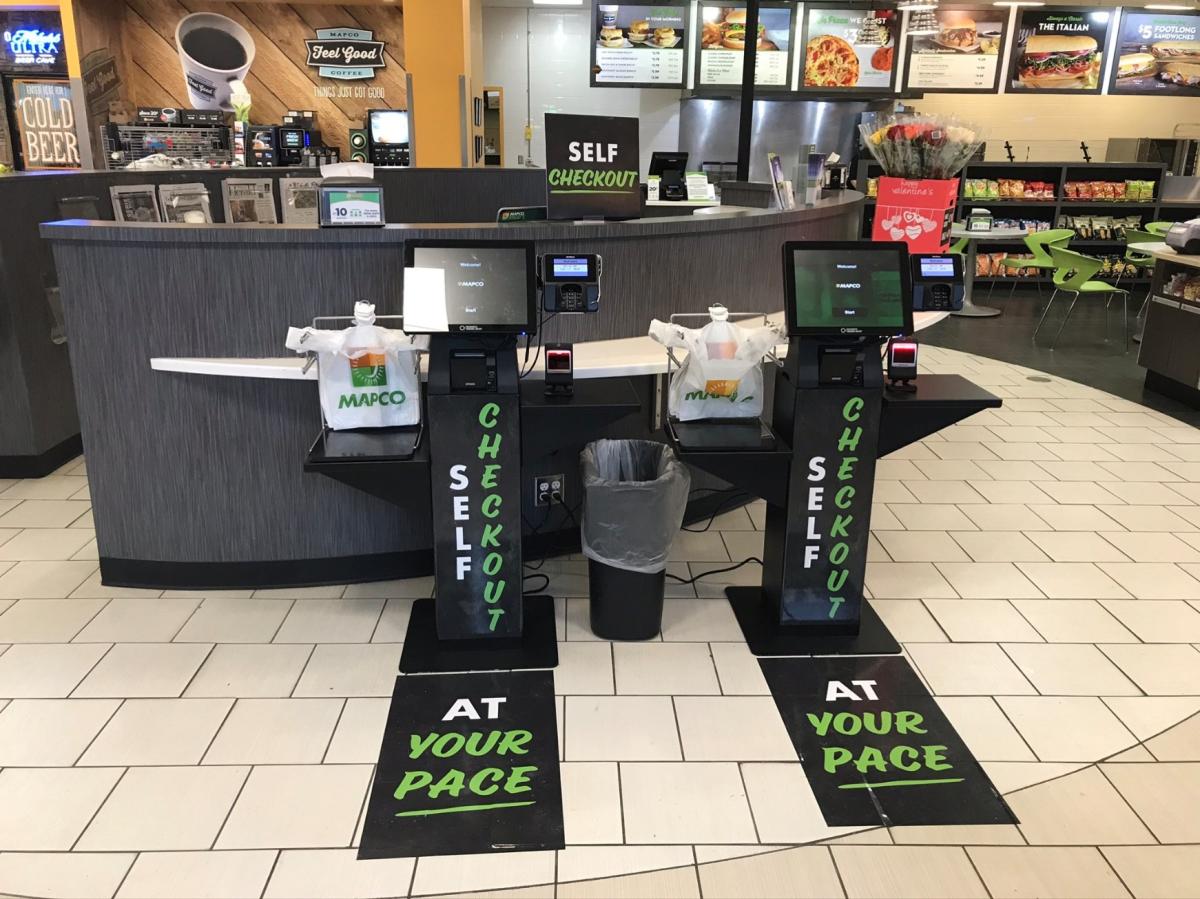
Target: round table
{"x": 996, "y": 235}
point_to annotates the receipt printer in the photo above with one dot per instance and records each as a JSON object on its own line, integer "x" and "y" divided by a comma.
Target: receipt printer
{"x": 571, "y": 283}
{"x": 1184, "y": 237}
{"x": 937, "y": 282}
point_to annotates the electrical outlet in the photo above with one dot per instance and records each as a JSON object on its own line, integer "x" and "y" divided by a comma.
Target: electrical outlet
{"x": 548, "y": 489}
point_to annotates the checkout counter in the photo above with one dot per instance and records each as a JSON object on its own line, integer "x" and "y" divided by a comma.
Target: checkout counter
{"x": 1170, "y": 345}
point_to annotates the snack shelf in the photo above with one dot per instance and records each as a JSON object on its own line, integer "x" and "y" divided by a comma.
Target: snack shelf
{"x": 979, "y": 201}
{"x": 1109, "y": 204}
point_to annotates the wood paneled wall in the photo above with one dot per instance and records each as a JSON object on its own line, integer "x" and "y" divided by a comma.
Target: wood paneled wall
{"x": 279, "y": 80}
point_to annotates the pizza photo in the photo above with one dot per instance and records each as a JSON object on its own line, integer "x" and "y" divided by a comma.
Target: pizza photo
{"x": 830, "y": 61}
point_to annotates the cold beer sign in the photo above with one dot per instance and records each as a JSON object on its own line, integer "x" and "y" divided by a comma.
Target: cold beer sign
{"x": 46, "y": 124}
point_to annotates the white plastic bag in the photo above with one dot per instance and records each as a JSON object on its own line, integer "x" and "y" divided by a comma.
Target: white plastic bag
{"x": 721, "y": 377}
{"x": 369, "y": 376}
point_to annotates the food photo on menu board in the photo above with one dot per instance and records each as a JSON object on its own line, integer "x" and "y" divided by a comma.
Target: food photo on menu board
{"x": 849, "y": 48}
{"x": 723, "y": 44}
{"x": 1159, "y": 55}
{"x": 1058, "y": 50}
{"x": 956, "y": 49}
{"x": 642, "y": 46}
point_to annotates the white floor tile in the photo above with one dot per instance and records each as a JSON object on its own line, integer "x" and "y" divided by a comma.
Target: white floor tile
{"x": 1153, "y": 580}
{"x": 695, "y": 620}
{"x": 1075, "y": 669}
{"x": 337, "y": 874}
{"x": 47, "y": 620}
{"x": 1147, "y": 518}
{"x": 907, "y": 580}
{"x": 929, "y": 871}
{"x": 664, "y": 668}
{"x": 931, "y": 517}
{"x": 1082, "y": 546}
{"x": 92, "y": 588}
{"x": 275, "y": 732}
{"x": 1155, "y": 547}
{"x": 158, "y": 732}
{"x": 408, "y": 588}
{"x": 44, "y": 544}
{"x": 250, "y": 670}
{"x": 330, "y": 621}
{"x": 42, "y": 733}
{"x": 1156, "y": 872}
{"x": 359, "y": 732}
{"x": 1164, "y": 795}
{"x": 968, "y": 669}
{"x": 1067, "y": 729}
{"x": 1073, "y": 620}
{"x": 732, "y": 728}
{"x": 1074, "y": 518}
{"x": 451, "y": 874}
{"x": 584, "y": 668}
{"x": 621, "y": 728}
{"x": 982, "y": 620}
{"x": 985, "y": 729}
{"x": 138, "y": 621}
{"x": 221, "y": 620}
{"x": 1147, "y": 716}
{"x": 591, "y": 796}
{"x": 1063, "y": 872}
{"x": 297, "y": 807}
{"x": 1072, "y": 580}
{"x": 577, "y": 863}
{"x": 1160, "y": 670}
{"x": 144, "y": 669}
{"x": 987, "y": 580}
{"x": 922, "y": 546}
{"x": 351, "y": 670}
{"x": 46, "y": 670}
{"x": 219, "y": 875}
{"x": 663, "y": 804}
{"x": 164, "y": 809}
{"x": 1158, "y": 621}
{"x": 43, "y": 580}
{"x": 739, "y": 671}
{"x": 45, "y": 809}
{"x": 51, "y": 487}
{"x": 393, "y": 623}
{"x": 63, "y": 875}
{"x": 41, "y": 513}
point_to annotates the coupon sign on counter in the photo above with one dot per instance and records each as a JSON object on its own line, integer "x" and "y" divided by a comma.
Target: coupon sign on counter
{"x": 351, "y": 206}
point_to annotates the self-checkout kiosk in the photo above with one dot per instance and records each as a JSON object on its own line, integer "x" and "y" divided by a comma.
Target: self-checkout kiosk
{"x": 843, "y": 301}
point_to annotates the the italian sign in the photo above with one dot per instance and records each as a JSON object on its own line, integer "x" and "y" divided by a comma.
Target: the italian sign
{"x": 592, "y": 165}
{"x": 875, "y": 747}
{"x": 1058, "y": 50}
{"x": 850, "y": 49}
{"x": 1158, "y": 55}
{"x": 723, "y": 42}
{"x": 345, "y": 54}
{"x": 956, "y": 49}
{"x": 476, "y": 500}
{"x": 832, "y": 478}
{"x": 45, "y": 124}
{"x": 31, "y": 41}
{"x": 640, "y": 46}
{"x": 469, "y": 763}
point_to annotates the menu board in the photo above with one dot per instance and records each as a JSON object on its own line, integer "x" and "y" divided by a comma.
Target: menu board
{"x": 850, "y": 48}
{"x": 640, "y": 46}
{"x": 723, "y": 42}
{"x": 1159, "y": 55}
{"x": 956, "y": 49}
{"x": 1058, "y": 50}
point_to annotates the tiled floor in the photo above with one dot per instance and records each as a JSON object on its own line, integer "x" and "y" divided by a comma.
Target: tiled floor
{"x": 1040, "y": 563}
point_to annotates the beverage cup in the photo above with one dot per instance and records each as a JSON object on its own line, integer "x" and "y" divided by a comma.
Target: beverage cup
{"x": 213, "y": 51}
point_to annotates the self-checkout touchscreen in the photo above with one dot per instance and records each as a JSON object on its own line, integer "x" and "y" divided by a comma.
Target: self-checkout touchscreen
{"x": 478, "y": 288}
{"x": 849, "y": 289}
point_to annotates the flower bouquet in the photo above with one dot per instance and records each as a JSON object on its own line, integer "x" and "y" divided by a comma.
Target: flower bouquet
{"x": 921, "y": 146}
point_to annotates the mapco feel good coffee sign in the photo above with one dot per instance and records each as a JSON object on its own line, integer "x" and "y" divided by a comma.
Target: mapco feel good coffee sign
{"x": 469, "y": 764}
{"x": 592, "y": 165}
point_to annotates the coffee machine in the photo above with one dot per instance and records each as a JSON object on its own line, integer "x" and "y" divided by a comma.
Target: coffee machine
{"x": 388, "y": 136}
{"x": 262, "y": 146}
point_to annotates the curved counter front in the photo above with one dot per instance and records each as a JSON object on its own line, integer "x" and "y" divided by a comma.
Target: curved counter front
{"x": 197, "y": 481}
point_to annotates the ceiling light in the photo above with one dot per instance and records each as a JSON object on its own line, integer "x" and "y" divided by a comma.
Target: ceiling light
{"x": 917, "y": 6}
{"x": 1187, "y": 7}
{"x": 558, "y": 2}
{"x": 1018, "y": 3}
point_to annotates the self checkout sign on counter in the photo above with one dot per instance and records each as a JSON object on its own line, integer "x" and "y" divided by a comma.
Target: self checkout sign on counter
{"x": 592, "y": 165}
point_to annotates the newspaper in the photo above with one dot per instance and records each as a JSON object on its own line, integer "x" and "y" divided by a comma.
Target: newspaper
{"x": 187, "y": 203}
{"x": 299, "y": 200}
{"x": 249, "y": 200}
{"x": 134, "y": 203}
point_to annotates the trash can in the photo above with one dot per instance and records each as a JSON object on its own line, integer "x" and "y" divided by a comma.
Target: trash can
{"x": 635, "y": 494}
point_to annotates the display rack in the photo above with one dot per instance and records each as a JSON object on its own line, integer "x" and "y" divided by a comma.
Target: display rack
{"x": 1058, "y": 174}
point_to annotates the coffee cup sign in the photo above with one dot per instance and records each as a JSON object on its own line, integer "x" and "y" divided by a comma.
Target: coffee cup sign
{"x": 214, "y": 51}
{"x": 592, "y": 167}
{"x": 46, "y": 124}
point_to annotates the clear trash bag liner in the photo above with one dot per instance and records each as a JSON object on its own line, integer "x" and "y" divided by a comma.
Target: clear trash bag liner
{"x": 635, "y": 494}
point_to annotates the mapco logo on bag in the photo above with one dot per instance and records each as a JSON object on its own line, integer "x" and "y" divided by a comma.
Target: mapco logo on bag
{"x": 369, "y": 370}
{"x": 366, "y": 400}
{"x": 719, "y": 390}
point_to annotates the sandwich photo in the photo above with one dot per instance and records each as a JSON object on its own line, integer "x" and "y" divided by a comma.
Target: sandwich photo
{"x": 612, "y": 37}
{"x": 1058, "y": 62}
{"x": 664, "y": 37}
{"x": 1181, "y": 50}
{"x": 639, "y": 31}
{"x": 733, "y": 31}
{"x": 957, "y": 29}
{"x": 1132, "y": 65}
{"x": 1182, "y": 73}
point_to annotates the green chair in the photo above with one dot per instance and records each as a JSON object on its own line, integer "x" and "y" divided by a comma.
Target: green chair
{"x": 1159, "y": 229}
{"x": 1038, "y": 243}
{"x": 1072, "y": 274}
{"x": 959, "y": 247}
